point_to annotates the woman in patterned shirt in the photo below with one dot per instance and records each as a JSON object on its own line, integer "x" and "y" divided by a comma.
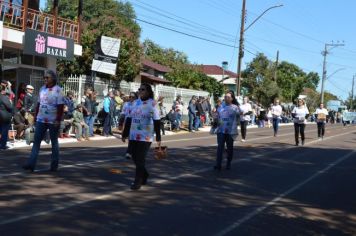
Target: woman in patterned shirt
{"x": 48, "y": 116}
{"x": 140, "y": 125}
{"x": 228, "y": 114}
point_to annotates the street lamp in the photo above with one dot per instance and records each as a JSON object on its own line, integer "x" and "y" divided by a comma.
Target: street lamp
{"x": 241, "y": 50}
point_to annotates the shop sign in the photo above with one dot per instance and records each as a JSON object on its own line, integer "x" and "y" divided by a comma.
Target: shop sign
{"x": 46, "y": 45}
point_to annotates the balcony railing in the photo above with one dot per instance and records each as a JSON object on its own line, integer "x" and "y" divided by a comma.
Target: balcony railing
{"x": 13, "y": 17}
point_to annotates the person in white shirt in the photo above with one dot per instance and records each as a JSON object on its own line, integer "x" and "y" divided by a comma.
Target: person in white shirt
{"x": 246, "y": 111}
{"x": 300, "y": 114}
{"x": 321, "y": 114}
{"x": 276, "y": 116}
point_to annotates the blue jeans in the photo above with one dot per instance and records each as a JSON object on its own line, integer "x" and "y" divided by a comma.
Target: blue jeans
{"x": 275, "y": 125}
{"x": 89, "y": 120}
{"x": 191, "y": 121}
{"x": 222, "y": 139}
{"x": 179, "y": 119}
{"x": 40, "y": 131}
{"x": 4, "y": 131}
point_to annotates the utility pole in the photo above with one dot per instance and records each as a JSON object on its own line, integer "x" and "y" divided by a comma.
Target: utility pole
{"x": 352, "y": 93}
{"x": 241, "y": 50}
{"x": 275, "y": 68}
{"x": 325, "y": 53}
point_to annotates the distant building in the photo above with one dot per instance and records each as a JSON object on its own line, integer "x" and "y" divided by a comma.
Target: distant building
{"x": 226, "y": 77}
{"x": 32, "y": 41}
{"x": 152, "y": 73}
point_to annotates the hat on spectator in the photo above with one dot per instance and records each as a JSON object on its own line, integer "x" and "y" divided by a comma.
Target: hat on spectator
{"x": 30, "y": 87}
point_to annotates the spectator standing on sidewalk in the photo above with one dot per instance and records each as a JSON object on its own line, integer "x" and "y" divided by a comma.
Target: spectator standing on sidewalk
{"x": 48, "y": 115}
{"x": 140, "y": 126}
{"x": 94, "y": 112}
{"x": 6, "y": 111}
{"x": 87, "y": 107}
{"x": 321, "y": 114}
{"x": 276, "y": 116}
{"x": 109, "y": 108}
{"x": 118, "y": 105}
{"x": 192, "y": 110}
{"x": 178, "y": 110}
{"x": 29, "y": 104}
{"x": 300, "y": 114}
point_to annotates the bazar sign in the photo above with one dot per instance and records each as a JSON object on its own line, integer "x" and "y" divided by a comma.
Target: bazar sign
{"x": 47, "y": 45}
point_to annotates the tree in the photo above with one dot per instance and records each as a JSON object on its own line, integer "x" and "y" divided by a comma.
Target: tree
{"x": 183, "y": 74}
{"x": 104, "y": 17}
{"x": 291, "y": 80}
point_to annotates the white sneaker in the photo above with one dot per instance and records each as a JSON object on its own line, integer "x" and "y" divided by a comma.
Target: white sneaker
{"x": 243, "y": 140}
{"x": 319, "y": 138}
{"x": 128, "y": 156}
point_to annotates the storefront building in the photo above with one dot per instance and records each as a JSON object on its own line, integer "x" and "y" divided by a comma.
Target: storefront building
{"x": 33, "y": 41}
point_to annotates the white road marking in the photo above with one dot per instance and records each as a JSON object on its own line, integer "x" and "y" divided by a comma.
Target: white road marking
{"x": 192, "y": 174}
{"x": 259, "y": 210}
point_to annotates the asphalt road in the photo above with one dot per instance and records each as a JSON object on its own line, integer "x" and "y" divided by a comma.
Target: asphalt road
{"x": 273, "y": 188}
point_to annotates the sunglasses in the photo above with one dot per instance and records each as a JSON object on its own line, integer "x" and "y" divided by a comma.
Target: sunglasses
{"x": 140, "y": 89}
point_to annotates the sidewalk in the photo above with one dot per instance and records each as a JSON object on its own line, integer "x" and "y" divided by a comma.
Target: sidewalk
{"x": 22, "y": 143}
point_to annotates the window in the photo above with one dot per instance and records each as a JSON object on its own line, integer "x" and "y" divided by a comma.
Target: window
{"x": 40, "y": 61}
{"x": 11, "y": 55}
{"x": 26, "y": 59}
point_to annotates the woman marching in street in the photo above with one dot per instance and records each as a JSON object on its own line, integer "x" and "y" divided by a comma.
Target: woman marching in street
{"x": 246, "y": 111}
{"x": 142, "y": 122}
{"x": 321, "y": 114}
{"x": 276, "y": 116}
{"x": 228, "y": 114}
{"x": 300, "y": 113}
{"x": 49, "y": 114}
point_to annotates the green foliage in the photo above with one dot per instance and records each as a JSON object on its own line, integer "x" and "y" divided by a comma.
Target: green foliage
{"x": 104, "y": 17}
{"x": 290, "y": 83}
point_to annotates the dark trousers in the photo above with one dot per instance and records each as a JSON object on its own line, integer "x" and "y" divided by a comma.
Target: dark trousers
{"x": 4, "y": 130}
{"x": 299, "y": 128}
{"x": 222, "y": 139}
{"x": 139, "y": 152}
{"x": 191, "y": 121}
{"x": 275, "y": 125}
{"x": 243, "y": 129}
{"x": 107, "y": 124}
{"x": 321, "y": 129}
{"x": 162, "y": 125}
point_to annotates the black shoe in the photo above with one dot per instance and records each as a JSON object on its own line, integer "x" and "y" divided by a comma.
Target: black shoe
{"x": 135, "y": 186}
{"x": 302, "y": 142}
{"x": 144, "y": 180}
{"x": 297, "y": 144}
{"x": 28, "y": 167}
{"x": 217, "y": 167}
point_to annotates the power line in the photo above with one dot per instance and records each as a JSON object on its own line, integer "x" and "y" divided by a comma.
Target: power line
{"x": 186, "y": 34}
{"x": 177, "y": 18}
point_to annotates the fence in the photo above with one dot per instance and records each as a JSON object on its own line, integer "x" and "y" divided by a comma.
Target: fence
{"x": 77, "y": 84}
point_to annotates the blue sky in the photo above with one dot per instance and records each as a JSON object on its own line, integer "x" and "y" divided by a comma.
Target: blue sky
{"x": 299, "y": 30}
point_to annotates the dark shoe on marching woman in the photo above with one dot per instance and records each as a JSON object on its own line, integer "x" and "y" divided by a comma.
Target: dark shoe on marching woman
{"x": 136, "y": 186}
{"x": 28, "y": 167}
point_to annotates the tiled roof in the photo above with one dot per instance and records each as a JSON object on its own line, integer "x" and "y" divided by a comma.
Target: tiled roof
{"x": 156, "y": 66}
{"x": 154, "y": 78}
{"x": 216, "y": 70}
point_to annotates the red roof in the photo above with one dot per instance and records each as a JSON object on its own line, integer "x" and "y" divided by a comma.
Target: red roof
{"x": 153, "y": 78}
{"x": 216, "y": 70}
{"x": 153, "y": 65}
